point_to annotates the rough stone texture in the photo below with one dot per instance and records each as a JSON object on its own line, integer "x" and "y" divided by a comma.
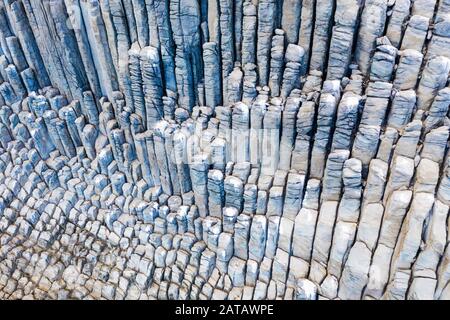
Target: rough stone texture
{"x": 222, "y": 149}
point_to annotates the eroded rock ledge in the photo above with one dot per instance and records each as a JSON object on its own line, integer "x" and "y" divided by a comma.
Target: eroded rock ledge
{"x": 218, "y": 149}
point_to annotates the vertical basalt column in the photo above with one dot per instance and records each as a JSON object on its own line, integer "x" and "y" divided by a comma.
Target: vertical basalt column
{"x": 346, "y": 223}
{"x": 28, "y": 42}
{"x": 131, "y": 21}
{"x": 161, "y": 156}
{"x": 143, "y": 157}
{"x": 105, "y": 158}
{"x": 41, "y": 139}
{"x": 98, "y": 40}
{"x": 306, "y": 30}
{"x": 223, "y": 114}
{"x": 185, "y": 21}
{"x": 216, "y": 193}
{"x": 17, "y": 56}
{"x": 383, "y": 63}
{"x": 213, "y": 19}
{"x": 402, "y": 107}
{"x": 234, "y": 189}
{"x": 332, "y": 178}
{"x": 133, "y": 173}
{"x": 57, "y": 102}
{"x": 295, "y": 186}
{"x": 199, "y": 179}
{"x": 424, "y": 7}
{"x": 88, "y": 138}
{"x": 388, "y": 139}
{"x": 218, "y": 153}
{"x": 367, "y": 139}
{"x": 171, "y": 161}
{"x": 120, "y": 40}
{"x": 272, "y": 238}
{"x": 154, "y": 29}
{"x": 142, "y": 23}
{"x": 276, "y": 62}
{"x": 50, "y": 117}
{"x": 346, "y": 119}
{"x": 429, "y": 257}
{"x": 435, "y": 144}
{"x": 250, "y": 199}
{"x": 275, "y": 201}
{"x": 415, "y": 33}
{"x": 43, "y": 31}
{"x": 325, "y": 119}
{"x": 235, "y": 85}
{"x": 75, "y": 19}
{"x": 3, "y": 65}
{"x": 434, "y": 78}
{"x": 181, "y": 161}
{"x": 105, "y": 115}
{"x": 240, "y": 133}
{"x": 5, "y": 32}
{"x": 152, "y": 86}
{"x": 438, "y": 109}
{"x": 224, "y": 251}
{"x": 136, "y": 81}
{"x": 117, "y": 141}
{"x": 408, "y": 69}
{"x": 5, "y": 137}
{"x": 170, "y": 104}
{"x": 136, "y": 124}
{"x": 258, "y": 236}
{"x": 400, "y": 175}
{"x": 29, "y": 80}
{"x": 238, "y": 28}
{"x": 323, "y": 20}
{"x": 149, "y": 139}
{"x": 226, "y": 41}
{"x": 213, "y": 80}
{"x": 395, "y": 212}
{"x": 292, "y": 74}
{"x": 270, "y": 152}
{"x": 161, "y": 15}
{"x": 342, "y": 38}
{"x": 15, "y": 81}
{"x": 249, "y": 90}
{"x": 74, "y": 70}
{"x": 290, "y": 19}
{"x": 410, "y": 237}
{"x": 249, "y": 25}
{"x": 69, "y": 115}
{"x": 288, "y": 131}
{"x": 304, "y": 126}
{"x": 242, "y": 236}
{"x": 266, "y": 25}
{"x": 332, "y": 185}
{"x": 373, "y": 19}
{"x": 5, "y": 113}
{"x": 89, "y": 108}
{"x": 38, "y": 105}
{"x": 64, "y": 135}
{"x": 395, "y": 27}
{"x": 7, "y": 92}
{"x": 440, "y": 37}
{"x": 354, "y": 275}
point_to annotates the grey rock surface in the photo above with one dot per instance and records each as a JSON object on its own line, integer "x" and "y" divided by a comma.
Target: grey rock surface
{"x": 222, "y": 149}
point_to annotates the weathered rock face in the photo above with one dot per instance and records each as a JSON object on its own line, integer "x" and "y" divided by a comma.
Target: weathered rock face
{"x": 218, "y": 149}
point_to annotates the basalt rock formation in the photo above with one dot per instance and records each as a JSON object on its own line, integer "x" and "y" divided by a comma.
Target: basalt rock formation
{"x": 220, "y": 149}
